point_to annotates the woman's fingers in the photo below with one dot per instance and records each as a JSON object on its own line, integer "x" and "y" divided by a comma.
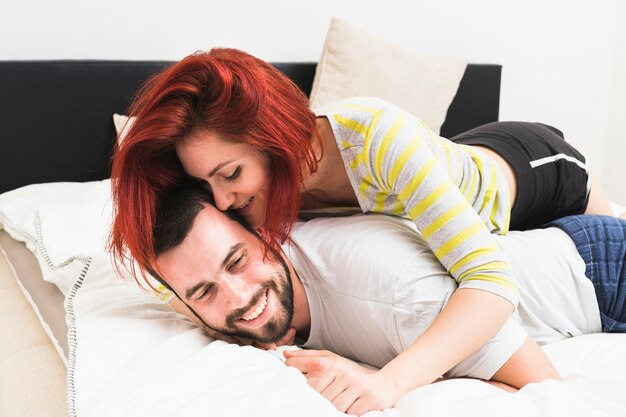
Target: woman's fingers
{"x": 320, "y": 383}
{"x": 344, "y": 401}
{"x": 304, "y": 365}
{"x": 308, "y": 353}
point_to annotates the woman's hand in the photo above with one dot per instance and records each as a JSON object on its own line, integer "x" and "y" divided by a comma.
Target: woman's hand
{"x": 351, "y": 388}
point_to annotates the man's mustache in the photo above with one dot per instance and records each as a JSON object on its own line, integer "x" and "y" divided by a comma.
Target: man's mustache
{"x": 236, "y": 315}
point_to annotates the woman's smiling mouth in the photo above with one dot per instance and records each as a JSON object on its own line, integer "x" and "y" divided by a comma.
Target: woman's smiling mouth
{"x": 244, "y": 205}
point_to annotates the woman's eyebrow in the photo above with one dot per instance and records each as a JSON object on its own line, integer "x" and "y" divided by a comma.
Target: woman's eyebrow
{"x": 218, "y": 167}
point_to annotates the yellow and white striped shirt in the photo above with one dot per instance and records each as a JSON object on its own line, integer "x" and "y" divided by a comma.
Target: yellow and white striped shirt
{"x": 455, "y": 194}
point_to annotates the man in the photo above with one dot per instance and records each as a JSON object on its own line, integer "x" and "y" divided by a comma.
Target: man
{"x": 366, "y": 287}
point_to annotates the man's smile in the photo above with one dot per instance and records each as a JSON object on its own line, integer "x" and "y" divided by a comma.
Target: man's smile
{"x": 255, "y": 312}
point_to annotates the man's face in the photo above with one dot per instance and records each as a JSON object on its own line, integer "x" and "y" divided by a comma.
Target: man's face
{"x": 219, "y": 271}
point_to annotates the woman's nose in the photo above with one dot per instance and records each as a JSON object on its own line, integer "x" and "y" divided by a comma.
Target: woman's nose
{"x": 224, "y": 199}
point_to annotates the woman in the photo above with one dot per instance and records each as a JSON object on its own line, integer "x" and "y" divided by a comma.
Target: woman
{"x": 246, "y": 131}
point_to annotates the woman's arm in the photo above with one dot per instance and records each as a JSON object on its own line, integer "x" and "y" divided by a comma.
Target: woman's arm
{"x": 469, "y": 319}
{"x": 445, "y": 343}
{"x": 403, "y": 170}
{"x": 357, "y": 390}
{"x": 182, "y": 308}
{"x": 528, "y": 364}
{"x": 408, "y": 161}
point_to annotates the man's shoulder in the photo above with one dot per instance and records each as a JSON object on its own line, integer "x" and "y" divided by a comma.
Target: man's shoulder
{"x": 360, "y": 252}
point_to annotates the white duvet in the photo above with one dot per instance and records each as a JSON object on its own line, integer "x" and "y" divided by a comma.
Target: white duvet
{"x": 134, "y": 357}
{"x": 130, "y": 355}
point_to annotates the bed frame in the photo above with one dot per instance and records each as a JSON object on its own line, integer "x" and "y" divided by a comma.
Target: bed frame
{"x": 56, "y": 116}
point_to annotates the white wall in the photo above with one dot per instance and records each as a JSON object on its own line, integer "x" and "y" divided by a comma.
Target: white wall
{"x": 563, "y": 59}
{"x": 615, "y": 146}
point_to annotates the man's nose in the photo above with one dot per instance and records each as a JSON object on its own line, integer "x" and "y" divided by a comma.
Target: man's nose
{"x": 238, "y": 291}
{"x": 224, "y": 199}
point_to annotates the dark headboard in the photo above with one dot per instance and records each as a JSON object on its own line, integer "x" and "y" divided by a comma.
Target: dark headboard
{"x": 56, "y": 116}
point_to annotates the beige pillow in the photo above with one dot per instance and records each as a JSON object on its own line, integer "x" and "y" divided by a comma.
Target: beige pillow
{"x": 45, "y": 298}
{"x": 122, "y": 125}
{"x": 32, "y": 375}
{"x": 354, "y": 63}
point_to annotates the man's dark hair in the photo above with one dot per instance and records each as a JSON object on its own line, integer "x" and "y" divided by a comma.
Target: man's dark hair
{"x": 175, "y": 213}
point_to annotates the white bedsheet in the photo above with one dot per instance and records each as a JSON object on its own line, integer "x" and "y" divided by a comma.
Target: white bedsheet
{"x": 135, "y": 357}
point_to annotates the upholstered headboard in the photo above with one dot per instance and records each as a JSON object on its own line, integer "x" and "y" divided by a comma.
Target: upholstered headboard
{"x": 56, "y": 116}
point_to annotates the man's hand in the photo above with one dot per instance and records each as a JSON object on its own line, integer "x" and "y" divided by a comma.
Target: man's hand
{"x": 227, "y": 338}
{"x": 351, "y": 388}
{"x": 286, "y": 340}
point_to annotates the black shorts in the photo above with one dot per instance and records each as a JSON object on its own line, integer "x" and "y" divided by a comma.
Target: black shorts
{"x": 552, "y": 178}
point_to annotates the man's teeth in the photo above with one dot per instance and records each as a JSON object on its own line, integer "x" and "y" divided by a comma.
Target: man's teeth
{"x": 257, "y": 311}
{"x": 244, "y": 204}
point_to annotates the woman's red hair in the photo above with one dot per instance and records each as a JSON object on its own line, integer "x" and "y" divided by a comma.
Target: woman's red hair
{"x": 225, "y": 91}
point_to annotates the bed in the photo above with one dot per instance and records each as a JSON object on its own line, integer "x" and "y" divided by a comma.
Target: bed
{"x": 79, "y": 340}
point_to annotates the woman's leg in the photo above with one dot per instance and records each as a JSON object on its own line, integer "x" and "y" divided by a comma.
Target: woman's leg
{"x": 598, "y": 199}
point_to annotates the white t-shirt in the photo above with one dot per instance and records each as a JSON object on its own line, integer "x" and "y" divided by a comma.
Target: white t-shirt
{"x": 373, "y": 287}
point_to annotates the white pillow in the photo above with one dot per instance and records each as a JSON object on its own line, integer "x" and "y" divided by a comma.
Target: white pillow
{"x": 63, "y": 224}
{"x": 355, "y": 63}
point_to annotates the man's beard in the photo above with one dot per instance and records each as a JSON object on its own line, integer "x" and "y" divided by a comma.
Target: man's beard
{"x": 277, "y": 327}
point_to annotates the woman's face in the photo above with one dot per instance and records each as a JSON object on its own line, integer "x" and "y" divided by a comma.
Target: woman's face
{"x": 237, "y": 174}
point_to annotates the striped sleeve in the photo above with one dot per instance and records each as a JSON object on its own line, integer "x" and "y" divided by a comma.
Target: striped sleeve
{"x": 163, "y": 294}
{"x": 402, "y": 162}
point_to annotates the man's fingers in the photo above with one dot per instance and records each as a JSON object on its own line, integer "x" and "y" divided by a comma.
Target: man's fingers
{"x": 227, "y": 338}
{"x": 288, "y": 338}
{"x": 243, "y": 342}
{"x": 265, "y": 346}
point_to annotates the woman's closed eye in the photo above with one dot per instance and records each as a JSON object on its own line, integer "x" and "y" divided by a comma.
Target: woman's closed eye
{"x": 235, "y": 174}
